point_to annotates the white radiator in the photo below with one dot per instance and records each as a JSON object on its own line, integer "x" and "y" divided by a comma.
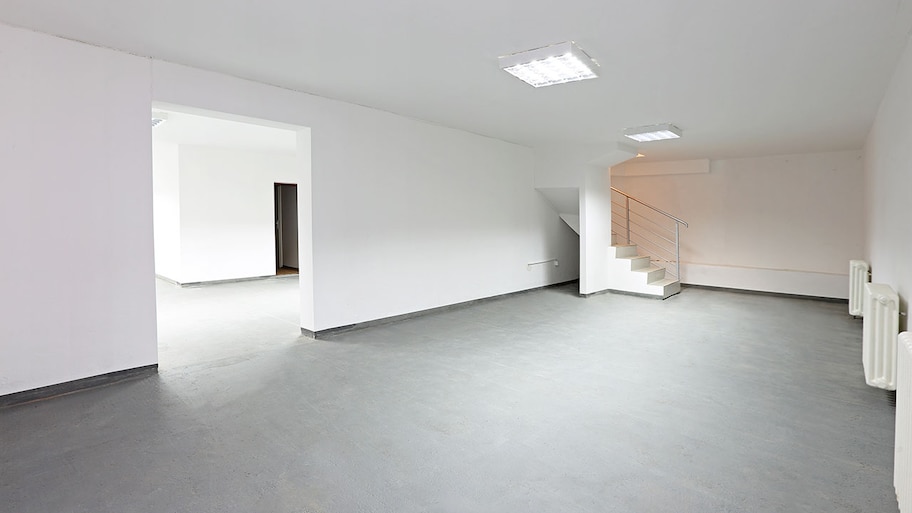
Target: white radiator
{"x": 880, "y": 328}
{"x": 902, "y": 461}
{"x": 858, "y": 276}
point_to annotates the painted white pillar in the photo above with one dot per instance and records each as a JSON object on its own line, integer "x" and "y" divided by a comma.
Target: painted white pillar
{"x": 595, "y": 230}
{"x": 305, "y": 231}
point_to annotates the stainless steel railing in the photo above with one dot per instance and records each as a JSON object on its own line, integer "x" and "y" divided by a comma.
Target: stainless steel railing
{"x": 657, "y": 231}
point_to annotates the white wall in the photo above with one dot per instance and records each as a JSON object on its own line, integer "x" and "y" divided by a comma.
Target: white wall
{"x": 786, "y": 224}
{"x": 166, "y": 209}
{"x": 595, "y": 231}
{"x": 410, "y": 216}
{"x": 888, "y": 186}
{"x": 303, "y": 158}
{"x": 77, "y": 291}
{"x": 406, "y": 215}
{"x": 227, "y": 211}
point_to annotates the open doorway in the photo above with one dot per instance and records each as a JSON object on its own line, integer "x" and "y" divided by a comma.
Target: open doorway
{"x": 286, "y": 228}
{"x": 220, "y": 184}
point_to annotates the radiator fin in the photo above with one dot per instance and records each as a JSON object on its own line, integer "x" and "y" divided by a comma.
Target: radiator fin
{"x": 880, "y": 329}
{"x": 858, "y": 275}
{"x": 902, "y": 461}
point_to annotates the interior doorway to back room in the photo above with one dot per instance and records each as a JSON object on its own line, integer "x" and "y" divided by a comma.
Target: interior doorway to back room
{"x": 214, "y": 181}
{"x": 286, "y": 228}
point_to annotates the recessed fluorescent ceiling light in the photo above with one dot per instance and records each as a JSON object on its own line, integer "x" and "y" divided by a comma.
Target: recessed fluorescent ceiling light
{"x": 653, "y": 132}
{"x": 550, "y": 65}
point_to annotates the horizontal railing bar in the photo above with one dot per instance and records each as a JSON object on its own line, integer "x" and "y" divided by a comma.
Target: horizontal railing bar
{"x": 619, "y": 211}
{"x": 639, "y": 239}
{"x": 652, "y": 253}
{"x": 652, "y": 240}
{"x": 652, "y": 250}
{"x": 652, "y": 232}
{"x": 641, "y": 202}
{"x": 668, "y": 265}
{"x": 647, "y": 243}
{"x": 657, "y": 225}
{"x": 652, "y": 247}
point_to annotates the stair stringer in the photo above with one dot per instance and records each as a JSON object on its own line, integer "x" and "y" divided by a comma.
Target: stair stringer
{"x": 573, "y": 221}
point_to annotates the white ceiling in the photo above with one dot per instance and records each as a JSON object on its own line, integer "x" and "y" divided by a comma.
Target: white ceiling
{"x": 741, "y": 78}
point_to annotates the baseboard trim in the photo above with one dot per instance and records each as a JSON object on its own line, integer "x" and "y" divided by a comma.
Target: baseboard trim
{"x": 322, "y": 334}
{"x": 765, "y": 293}
{"x": 628, "y": 293}
{"x": 785, "y": 281}
{"x": 194, "y": 284}
{"x": 597, "y": 293}
{"x": 166, "y": 279}
{"x": 72, "y": 387}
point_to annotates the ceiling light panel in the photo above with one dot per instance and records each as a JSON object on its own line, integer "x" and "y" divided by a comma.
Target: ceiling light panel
{"x": 551, "y": 65}
{"x": 653, "y": 132}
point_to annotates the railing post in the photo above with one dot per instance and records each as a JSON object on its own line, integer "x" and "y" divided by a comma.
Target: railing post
{"x": 677, "y": 252}
{"x": 627, "y": 214}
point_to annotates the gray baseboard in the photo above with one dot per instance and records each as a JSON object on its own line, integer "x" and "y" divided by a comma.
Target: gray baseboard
{"x": 193, "y": 284}
{"x": 626, "y": 293}
{"x": 765, "y": 293}
{"x": 322, "y": 334}
{"x": 79, "y": 385}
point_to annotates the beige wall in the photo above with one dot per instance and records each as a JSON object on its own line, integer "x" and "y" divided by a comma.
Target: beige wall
{"x": 785, "y": 224}
{"x": 888, "y": 187}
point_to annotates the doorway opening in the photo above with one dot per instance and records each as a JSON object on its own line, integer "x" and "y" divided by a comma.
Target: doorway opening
{"x": 215, "y": 179}
{"x": 286, "y": 228}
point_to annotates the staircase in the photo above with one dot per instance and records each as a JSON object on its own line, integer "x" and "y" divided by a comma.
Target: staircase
{"x": 644, "y": 228}
{"x": 637, "y": 273}
{"x": 637, "y": 228}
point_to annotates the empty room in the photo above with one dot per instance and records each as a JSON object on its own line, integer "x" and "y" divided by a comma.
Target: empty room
{"x": 427, "y": 256}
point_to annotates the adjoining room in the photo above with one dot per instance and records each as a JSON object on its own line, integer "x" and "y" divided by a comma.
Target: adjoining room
{"x": 226, "y": 234}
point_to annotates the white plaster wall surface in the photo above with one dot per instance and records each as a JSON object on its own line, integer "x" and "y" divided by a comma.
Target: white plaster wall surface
{"x": 888, "y": 186}
{"x": 305, "y": 226}
{"x": 227, "y": 216}
{"x": 783, "y": 223}
{"x": 424, "y": 217}
{"x": 166, "y": 209}
{"x": 595, "y": 232}
{"x": 78, "y": 291}
{"x": 406, "y": 215}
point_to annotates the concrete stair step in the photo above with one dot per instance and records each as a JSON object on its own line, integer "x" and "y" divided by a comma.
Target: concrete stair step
{"x": 624, "y": 250}
{"x": 649, "y": 279}
{"x": 667, "y": 286}
{"x": 653, "y": 273}
{"x": 663, "y": 282}
{"x": 636, "y": 262}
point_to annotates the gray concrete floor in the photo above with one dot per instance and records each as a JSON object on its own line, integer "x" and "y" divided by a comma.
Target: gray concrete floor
{"x": 709, "y": 401}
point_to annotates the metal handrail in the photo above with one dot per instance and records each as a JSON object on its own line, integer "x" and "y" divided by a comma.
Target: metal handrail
{"x": 647, "y": 230}
{"x": 642, "y": 217}
{"x": 677, "y": 227}
{"x": 666, "y": 214}
{"x": 650, "y": 221}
